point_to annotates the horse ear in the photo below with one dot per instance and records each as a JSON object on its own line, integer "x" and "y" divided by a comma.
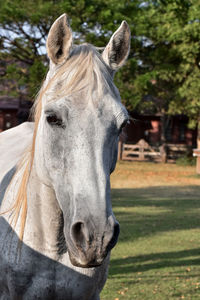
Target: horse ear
{"x": 59, "y": 41}
{"x": 117, "y": 50}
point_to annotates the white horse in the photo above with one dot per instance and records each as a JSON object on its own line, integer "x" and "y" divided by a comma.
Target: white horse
{"x": 57, "y": 226}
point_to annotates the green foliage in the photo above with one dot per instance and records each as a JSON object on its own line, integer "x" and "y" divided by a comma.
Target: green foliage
{"x": 37, "y": 73}
{"x": 24, "y": 26}
{"x": 172, "y": 51}
{"x": 186, "y": 161}
{"x": 162, "y": 74}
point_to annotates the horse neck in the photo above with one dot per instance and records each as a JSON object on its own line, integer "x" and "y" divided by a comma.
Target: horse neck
{"x": 43, "y": 217}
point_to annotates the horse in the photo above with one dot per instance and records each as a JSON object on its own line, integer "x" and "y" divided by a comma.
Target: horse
{"x": 57, "y": 227}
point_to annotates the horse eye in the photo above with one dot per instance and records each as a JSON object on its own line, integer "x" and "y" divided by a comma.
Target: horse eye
{"x": 54, "y": 120}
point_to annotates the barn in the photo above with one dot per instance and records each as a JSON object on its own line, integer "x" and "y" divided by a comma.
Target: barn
{"x": 145, "y": 138}
{"x": 13, "y": 111}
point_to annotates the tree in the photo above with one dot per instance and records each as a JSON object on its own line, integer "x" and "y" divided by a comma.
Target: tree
{"x": 187, "y": 44}
{"x": 24, "y": 26}
{"x": 162, "y": 73}
{"x": 169, "y": 68}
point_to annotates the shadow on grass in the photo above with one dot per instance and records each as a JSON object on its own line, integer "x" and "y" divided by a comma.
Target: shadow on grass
{"x": 142, "y": 263}
{"x": 167, "y": 218}
{"x": 145, "y": 211}
{"x": 160, "y": 196}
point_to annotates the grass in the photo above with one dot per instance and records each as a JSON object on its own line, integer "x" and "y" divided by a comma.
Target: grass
{"x": 158, "y": 253}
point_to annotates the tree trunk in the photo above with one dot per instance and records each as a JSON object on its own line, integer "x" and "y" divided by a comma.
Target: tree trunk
{"x": 163, "y": 147}
{"x": 198, "y": 134}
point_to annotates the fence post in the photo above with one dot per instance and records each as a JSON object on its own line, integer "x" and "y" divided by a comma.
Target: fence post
{"x": 163, "y": 153}
{"x": 196, "y": 153}
{"x": 120, "y": 150}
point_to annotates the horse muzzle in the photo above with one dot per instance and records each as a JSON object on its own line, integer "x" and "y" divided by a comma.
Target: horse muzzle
{"x": 88, "y": 246}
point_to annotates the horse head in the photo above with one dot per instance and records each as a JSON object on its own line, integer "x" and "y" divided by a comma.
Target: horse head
{"x": 80, "y": 119}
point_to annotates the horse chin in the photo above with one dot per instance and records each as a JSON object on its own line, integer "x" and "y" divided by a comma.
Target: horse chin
{"x": 77, "y": 262}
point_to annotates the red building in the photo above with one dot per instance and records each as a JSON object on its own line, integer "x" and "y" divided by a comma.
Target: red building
{"x": 13, "y": 111}
{"x": 144, "y": 138}
{"x": 148, "y": 127}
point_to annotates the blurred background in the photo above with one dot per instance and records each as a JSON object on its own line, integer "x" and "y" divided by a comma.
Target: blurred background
{"x": 160, "y": 84}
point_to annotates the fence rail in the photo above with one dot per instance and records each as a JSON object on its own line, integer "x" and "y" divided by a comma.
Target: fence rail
{"x": 143, "y": 151}
{"x": 140, "y": 151}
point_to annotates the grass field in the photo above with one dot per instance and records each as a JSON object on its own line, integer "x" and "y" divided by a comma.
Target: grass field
{"x": 158, "y": 253}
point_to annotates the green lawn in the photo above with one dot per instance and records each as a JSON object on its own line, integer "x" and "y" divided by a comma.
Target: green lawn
{"x": 158, "y": 253}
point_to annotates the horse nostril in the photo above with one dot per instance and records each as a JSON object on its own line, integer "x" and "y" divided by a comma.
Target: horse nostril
{"x": 114, "y": 238}
{"x": 77, "y": 233}
{"x": 83, "y": 238}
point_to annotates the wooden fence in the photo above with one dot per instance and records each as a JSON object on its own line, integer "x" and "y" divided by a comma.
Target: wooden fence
{"x": 143, "y": 151}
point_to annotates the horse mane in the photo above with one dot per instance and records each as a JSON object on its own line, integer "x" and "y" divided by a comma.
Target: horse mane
{"x": 83, "y": 70}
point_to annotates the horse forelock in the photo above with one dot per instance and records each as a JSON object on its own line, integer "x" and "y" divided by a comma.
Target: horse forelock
{"x": 83, "y": 70}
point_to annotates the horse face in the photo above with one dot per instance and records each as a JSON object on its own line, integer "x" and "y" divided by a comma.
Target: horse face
{"x": 76, "y": 148}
